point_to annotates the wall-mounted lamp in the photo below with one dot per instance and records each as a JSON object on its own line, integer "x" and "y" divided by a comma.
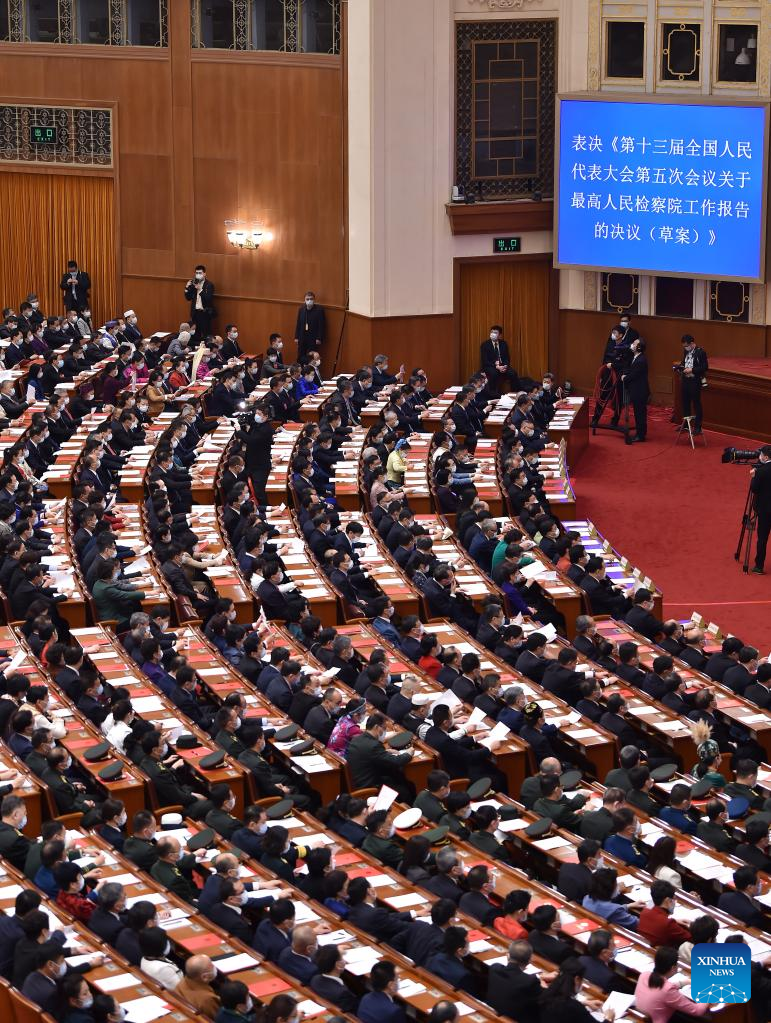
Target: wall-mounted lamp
{"x": 242, "y": 236}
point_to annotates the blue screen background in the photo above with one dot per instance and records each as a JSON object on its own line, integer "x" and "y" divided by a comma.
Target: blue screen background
{"x": 661, "y": 187}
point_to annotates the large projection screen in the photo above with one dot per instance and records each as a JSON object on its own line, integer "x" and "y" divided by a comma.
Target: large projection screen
{"x": 661, "y": 186}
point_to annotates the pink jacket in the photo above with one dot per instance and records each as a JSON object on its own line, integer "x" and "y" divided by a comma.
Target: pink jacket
{"x": 663, "y": 1002}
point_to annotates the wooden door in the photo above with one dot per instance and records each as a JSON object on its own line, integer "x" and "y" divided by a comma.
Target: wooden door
{"x": 514, "y": 293}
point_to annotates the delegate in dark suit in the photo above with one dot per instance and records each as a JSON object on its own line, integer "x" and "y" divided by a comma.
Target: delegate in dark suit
{"x": 377, "y": 1007}
{"x": 229, "y": 920}
{"x": 761, "y": 491}
{"x": 493, "y": 352}
{"x": 75, "y": 285}
{"x": 335, "y": 991}
{"x": 514, "y": 993}
{"x": 638, "y": 390}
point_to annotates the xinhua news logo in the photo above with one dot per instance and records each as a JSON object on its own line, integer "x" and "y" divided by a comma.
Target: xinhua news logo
{"x": 720, "y": 973}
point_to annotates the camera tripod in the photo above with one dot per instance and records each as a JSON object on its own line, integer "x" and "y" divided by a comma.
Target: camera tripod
{"x": 606, "y": 393}
{"x": 749, "y": 525}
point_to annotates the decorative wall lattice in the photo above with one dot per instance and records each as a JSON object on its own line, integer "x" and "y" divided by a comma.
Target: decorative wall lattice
{"x": 287, "y": 26}
{"x": 99, "y": 22}
{"x": 56, "y": 135}
{"x": 505, "y": 74}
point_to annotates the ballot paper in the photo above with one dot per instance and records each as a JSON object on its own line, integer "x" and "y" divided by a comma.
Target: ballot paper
{"x": 124, "y": 879}
{"x": 385, "y": 798}
{"x": 79, "y": 960}
{"x": 307, "y": 1007}
{"x": 145, "y": 1010}
{"x": 514, "y": 825}
{"x": 405, "y": 901}
{"x": 548, "y": 631}
{"x": 115, "y": 983}
{"x": 633, "y": 959}
{"x": 243, "y": 961}
{"x": 408, "y": 987}
{"x": 555, "y": 842}
{"x": 157, "y": 898}
{"x": 618, "y": 1002}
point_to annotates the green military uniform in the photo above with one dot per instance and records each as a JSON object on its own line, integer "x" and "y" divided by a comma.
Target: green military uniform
{"x": 431, "y": 807}
{"x": 488, "y": 844}
{"x": 642, "y": 801}
{"x": 456, "y": 825}
{"x": 754, "y": 798}
{"x": 230, "y": 743}
{"x": 172, "y": 878}
{"x": 170, "y": 791}
{"x": 562, "y": 814}
{"x": 618, "y": 778}
{"x": 37, "y": 762}
{"x": 140, "y": 851}
{"x": 223, "y": 823}
{"x": 266, "y": 778}
{"x": 383, "y": 849}
{"x": 715, "y": 836}
{"x": 68, "y": 798}
{"x": 14, "y": 845}
{"x": 596, "y": 824}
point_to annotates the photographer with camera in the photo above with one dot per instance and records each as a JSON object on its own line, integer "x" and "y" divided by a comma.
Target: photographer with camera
{"x": 760, "y": 488}
{"x": 693, "y": 369}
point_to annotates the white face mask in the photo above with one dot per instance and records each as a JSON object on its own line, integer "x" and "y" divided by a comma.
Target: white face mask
{"x": 309, "y": 303}
{"x": 121, "y": 819}
{"x": 199, "y": 276}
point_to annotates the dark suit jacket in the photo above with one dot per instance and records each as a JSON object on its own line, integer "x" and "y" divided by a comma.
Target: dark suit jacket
{"x": 377, "y": 1007}
{"x": 532, "y": 666}
{"x": 380, "y": 923}
{"x": 644, "y": 622}
{"x": 700, "y": 364}
{"x": 574, "y": 881}
{"x": 107, "y": 925}
{"x": 488, "y": 358}
{"x": 297, "y": 966}
{"x": 423, "y": 940}
{"x": 334, "y": 990}
{"x": 549, "y": 947}
{"x": 80, "y": 299}
{"x": 625, "y": 734}
{"x": 636, "y": 379}
{"x": 270, "y": 941}
{"x": 207, "y": 298}
{"x": 742, "y": 907}
{"x": 41, "y": 991}
{"x": 232, "y": 922}
{"x": 514, "y": 993}
{"x": 460, "y": 756}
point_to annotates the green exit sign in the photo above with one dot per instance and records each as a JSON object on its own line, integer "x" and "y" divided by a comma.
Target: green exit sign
{"x": 507, "y": 245}
{"x": 42, "y": 135}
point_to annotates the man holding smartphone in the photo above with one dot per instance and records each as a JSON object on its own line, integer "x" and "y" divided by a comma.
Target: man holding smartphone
{"x": 75, "y": 285}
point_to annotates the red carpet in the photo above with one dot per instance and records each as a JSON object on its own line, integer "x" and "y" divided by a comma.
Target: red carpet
{"x": 676, "y": 514}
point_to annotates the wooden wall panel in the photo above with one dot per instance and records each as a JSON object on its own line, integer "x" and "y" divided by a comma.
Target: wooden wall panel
{"x": 146, "y": 203}
{"x": 425, "y": 341}
{"x": 202, "y": 138}
{"x": 582, "y": 338}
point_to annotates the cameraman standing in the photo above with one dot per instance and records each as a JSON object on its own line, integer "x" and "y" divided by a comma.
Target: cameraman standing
{"x": 761, "y": 491}
{"x": 693, "y": 369}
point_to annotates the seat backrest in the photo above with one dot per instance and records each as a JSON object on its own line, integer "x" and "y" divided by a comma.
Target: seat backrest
{"x": 24, "y": 1011}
